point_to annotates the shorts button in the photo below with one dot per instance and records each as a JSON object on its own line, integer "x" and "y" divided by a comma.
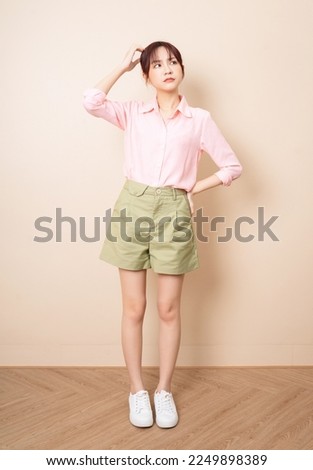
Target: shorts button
{"x": 158, "y": 191}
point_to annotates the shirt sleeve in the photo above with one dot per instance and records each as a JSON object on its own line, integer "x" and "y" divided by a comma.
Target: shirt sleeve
{"x": 96, "y": 103}
{"x": 214, "y": 143}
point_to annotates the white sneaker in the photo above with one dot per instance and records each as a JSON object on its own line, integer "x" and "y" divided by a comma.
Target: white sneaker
{"x": 165, "y": 409}
{"x": 140, "y": 412}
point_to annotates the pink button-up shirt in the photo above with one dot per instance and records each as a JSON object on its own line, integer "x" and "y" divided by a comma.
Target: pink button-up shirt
{"x": 159, "y": 154}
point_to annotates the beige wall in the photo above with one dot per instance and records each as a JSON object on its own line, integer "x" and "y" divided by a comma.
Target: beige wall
{"x": 250, "y": 63}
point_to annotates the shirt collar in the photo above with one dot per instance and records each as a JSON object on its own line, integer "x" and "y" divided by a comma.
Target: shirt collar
{"x": 183, "y": 107}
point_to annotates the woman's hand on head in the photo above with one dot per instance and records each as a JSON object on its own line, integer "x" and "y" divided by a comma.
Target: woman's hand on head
{"x": 129, "y": 62}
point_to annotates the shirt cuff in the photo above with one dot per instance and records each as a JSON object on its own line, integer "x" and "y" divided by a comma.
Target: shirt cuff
{"x": 225, "y": 177}
{"x": 228, "y": 174}
{"x": 94, "y": 96}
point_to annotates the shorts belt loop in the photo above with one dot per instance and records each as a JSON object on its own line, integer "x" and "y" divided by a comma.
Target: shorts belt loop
{"x": 174, "y": 194}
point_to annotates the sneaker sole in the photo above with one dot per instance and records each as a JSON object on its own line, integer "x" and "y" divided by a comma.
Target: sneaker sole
{"x": 141, "y": 425}
{"x": 166, "y": 426}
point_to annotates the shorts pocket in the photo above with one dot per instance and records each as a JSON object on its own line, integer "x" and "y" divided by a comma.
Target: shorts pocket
{"x": 182, "y": 227}
{"x": 121, "y": 220}
{"x": 187, "y": 205}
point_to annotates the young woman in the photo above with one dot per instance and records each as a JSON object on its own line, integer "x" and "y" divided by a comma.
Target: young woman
{"x": 151, "y": 224}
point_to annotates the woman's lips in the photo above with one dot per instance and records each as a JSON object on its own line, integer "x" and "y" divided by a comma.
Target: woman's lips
{"x": 169, "y": 80}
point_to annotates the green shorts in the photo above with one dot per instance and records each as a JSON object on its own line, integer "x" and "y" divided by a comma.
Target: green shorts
{"x": 151, "y": 228}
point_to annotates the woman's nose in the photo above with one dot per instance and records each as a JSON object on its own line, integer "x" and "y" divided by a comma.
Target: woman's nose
{"x": 168, "y": 69}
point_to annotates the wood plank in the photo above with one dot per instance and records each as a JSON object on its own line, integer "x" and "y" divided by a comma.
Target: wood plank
{"x": 219, "y": 408}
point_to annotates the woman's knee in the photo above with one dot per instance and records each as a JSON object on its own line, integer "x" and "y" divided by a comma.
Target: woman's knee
{"x": 134, "y": 308}
{"x": 168, "y": 310}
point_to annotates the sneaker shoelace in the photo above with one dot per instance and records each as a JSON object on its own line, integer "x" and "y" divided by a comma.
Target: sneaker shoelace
{"x": 142, "y": 402}
{"x": 165, "y": 404}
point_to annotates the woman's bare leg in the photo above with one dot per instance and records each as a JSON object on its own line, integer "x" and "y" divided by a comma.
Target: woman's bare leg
{"x": 133, "y": 287}
{"x": 169, "y": 296}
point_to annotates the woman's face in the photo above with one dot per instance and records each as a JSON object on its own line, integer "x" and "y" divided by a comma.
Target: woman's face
{"x": 165, "y": 72}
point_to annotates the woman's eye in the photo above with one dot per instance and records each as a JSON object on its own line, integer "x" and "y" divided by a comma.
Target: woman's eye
{"x": 156, "y": 66}
{"x": 174, "y": 62}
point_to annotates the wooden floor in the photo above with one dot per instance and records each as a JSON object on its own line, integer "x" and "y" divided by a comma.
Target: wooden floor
{"x": 219, "y": 408}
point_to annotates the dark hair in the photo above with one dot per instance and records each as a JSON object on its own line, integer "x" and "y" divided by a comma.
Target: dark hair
{"x": 148, "y": 54}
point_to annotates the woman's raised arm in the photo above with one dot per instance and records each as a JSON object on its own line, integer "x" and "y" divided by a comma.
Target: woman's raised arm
{"x": 127, "y": 64}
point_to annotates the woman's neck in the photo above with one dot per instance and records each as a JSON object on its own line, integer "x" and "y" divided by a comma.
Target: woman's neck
{"x": 168, "y": 101}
